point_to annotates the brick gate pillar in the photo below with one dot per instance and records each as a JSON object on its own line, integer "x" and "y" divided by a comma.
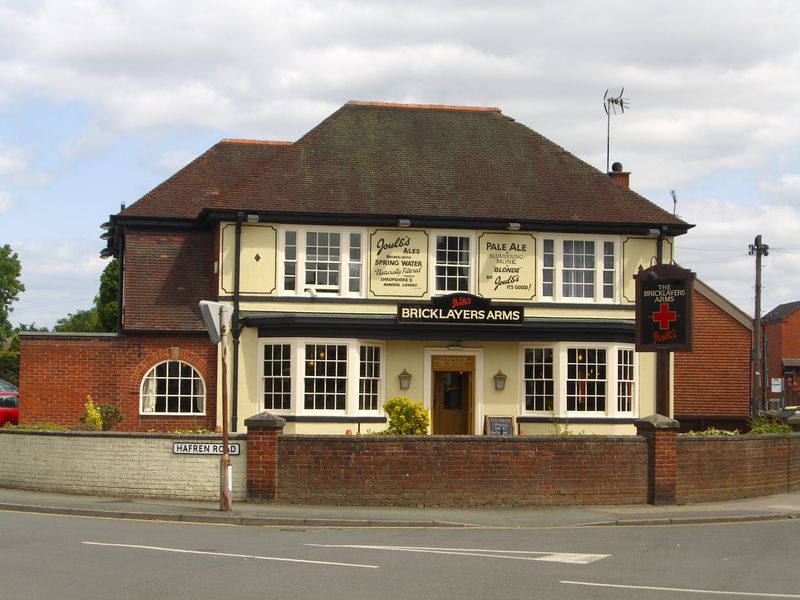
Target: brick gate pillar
{"x": 662, "y": 453}
{"x": 262, "y": 455}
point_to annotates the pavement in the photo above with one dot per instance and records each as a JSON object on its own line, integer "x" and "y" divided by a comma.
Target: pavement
{"x": 775, "y": 507}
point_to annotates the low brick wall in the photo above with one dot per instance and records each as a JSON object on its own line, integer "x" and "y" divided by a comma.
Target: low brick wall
{"x": 655, "y": 467}
{"x": 741, "y": 466}
{"x": 115, "y": 464}
{"x": 461, "y": 471}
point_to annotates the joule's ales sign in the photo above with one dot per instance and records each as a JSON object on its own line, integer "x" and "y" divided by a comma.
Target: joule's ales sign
{"x": 664, "y": 309}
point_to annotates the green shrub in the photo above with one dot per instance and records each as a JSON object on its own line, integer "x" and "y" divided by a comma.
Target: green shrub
{"x": 9, "y": 366}
{"x": 39, "y": 426}
{"x": 91, "y": 419}
{"x": 197, "y": 429}
{"x": 712, "y": 431}
{"x": 110, "y": 415}
{"x": 406, "y": 417}
{"x": 761, "y": 424}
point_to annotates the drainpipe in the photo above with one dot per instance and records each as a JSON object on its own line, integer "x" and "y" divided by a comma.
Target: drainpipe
{"x": 236, "y": 329}
{"x": 120, "y": 276}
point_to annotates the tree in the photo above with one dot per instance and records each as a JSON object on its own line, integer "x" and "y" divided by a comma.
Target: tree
{"x": 10, "y": 287}
{"x": 102, "y": 317}
{"x": 79, "y": 321}
{"x": 106, "y": 301}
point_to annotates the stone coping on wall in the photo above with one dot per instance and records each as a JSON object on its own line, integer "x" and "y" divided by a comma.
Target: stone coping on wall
{"x": 466, "y": 438}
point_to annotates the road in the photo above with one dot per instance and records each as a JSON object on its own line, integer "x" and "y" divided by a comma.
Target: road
{"x": 66, "y": 557}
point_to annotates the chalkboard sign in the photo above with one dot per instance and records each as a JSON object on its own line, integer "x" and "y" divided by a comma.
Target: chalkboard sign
{"x": 499, "y": 426}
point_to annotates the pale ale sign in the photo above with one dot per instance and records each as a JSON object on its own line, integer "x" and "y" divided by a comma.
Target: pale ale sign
{"x": 664, "y": 309}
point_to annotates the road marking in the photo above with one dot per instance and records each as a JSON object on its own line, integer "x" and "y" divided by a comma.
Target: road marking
{"x": 562, "y": 557}
{"x": 231, "y": 555}
{"x": 785, "y": 506}
{"x": 686, "y": 590}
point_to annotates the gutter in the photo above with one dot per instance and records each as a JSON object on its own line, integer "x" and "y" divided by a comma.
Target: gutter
{"x": 235, "y": 325}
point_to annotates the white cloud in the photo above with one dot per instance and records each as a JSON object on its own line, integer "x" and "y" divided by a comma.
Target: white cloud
{"x": 16, "y": 168}
{"x": 713, "y": 89}
{"x": 60, "y": 277}
{"x": 718, "y": 250}
{"x": 6, "y": 201}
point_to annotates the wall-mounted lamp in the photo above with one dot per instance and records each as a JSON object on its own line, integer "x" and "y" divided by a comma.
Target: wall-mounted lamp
{"x": 405, "y": 380}
{"x": 404, "y": 222}
{"x": 500, "y": 380}
{"x": 252, "y": 218}
{"x": 513, "y": 226}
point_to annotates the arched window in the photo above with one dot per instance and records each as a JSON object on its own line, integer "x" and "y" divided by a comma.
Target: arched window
{"x": 172, "y": 387}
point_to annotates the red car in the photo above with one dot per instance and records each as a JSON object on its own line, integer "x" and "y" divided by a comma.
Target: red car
{"x": 9, "y": 403}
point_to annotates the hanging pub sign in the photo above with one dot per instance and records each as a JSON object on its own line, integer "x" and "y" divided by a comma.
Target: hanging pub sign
{"x": 461, "y": 308}
{"x": 664, "y": 309}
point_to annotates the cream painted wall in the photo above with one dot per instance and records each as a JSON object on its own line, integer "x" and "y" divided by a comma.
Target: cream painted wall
{"x": 406, "y": 355}
{"x": 576, "y": 429}
{"x": 501, "y": 357}
{"x": 258, "y": 270}
{"x": 259, "y": 241}
{"x": 258, "y": 259}
{"x": 639, "y": 252}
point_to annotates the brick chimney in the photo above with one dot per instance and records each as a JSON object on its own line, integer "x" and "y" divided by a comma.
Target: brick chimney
{"x": 621, "y": 177}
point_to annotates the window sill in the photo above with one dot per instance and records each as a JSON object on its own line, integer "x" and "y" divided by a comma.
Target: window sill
{"x": 333, "y": 419}
{"x": 550, "y": 419}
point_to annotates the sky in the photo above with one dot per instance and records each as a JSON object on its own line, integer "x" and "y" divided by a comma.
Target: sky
{"x": 100, "y": 101}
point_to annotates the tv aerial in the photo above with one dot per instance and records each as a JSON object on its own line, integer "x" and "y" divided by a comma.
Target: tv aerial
{"x": 613, "y": 103}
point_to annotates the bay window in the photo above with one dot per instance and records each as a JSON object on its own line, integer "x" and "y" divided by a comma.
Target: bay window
{"x": 579, "y": 379}
{"x": 300, "y": 376}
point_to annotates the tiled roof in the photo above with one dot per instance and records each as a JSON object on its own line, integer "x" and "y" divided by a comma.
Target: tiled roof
{"x": 779, "y": 313}
{"x": 383, "y": 159}
{"x": 214, "y": 172}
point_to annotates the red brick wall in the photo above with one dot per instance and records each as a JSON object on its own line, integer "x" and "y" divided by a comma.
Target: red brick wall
{"x": 58, "y": 371}
{"x": 714, "y": 379}
{"x": 448, "y": 470}
{"x": 783, "y": 341}
{"x": 736, "y": 467}
{"x": 166, "y": 275}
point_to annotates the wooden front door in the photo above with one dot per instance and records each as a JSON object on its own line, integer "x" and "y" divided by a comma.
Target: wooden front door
{"x": 452, "y": 392}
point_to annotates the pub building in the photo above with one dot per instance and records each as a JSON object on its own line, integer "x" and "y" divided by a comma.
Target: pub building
{"x": 447, "y": 254}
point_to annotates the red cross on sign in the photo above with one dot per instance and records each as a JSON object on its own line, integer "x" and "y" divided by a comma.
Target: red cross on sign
{"x": 664, "y": 316}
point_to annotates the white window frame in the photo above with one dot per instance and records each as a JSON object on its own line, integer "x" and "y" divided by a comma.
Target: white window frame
{"x": 472, "y": 266}
{"x": 261, "y": 377}
{"x": 560, "y": 367}
{"x": 304, "y": 290}
{"x": 599, "y": 268}
{"x": 298, "y": 356}
{"x": 196, "y": 375}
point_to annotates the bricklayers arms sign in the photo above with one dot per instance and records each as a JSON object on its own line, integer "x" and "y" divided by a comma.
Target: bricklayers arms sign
{"x": 664, "y": 309}
{"x": 460, "y": 309}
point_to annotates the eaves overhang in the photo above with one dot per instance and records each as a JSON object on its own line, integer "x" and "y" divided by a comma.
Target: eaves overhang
{"x": 646, "y": 229}
{"x": 386, "y": 327}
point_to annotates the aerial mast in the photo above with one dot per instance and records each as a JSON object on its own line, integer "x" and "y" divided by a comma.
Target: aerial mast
{"x": 613, "y": 103}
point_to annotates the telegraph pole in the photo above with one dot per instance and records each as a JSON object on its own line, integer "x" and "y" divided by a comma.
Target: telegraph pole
{"x": 757, "y": 402}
